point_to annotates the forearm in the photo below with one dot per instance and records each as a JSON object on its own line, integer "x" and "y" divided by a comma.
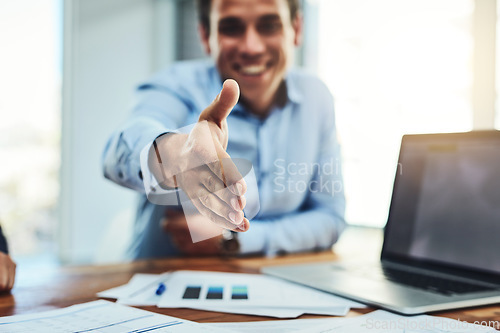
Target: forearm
{"x": 157, "y": 111}
{"x": 302, "y": 231}
{"x": 163, "y": 153}
{"x": 121, "y": 156}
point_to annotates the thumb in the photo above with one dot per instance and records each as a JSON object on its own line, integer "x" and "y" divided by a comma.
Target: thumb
{"x": 223, "y": 103}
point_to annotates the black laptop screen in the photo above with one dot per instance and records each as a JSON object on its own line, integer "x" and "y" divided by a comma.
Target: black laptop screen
{"x": 446, "y": 201}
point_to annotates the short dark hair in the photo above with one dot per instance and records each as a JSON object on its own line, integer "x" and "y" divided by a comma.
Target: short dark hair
{"x": 204, "y": 7}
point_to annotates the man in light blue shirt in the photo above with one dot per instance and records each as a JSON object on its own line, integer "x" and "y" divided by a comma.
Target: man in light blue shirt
{"x": 280, "y": 120}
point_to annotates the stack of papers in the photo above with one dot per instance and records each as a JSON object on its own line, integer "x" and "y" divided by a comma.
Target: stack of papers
{"x": 103, "y": 316}
{"x": 229, "y": 292}
{"x": 374, "y": 322}
{"x": 99, "y": 316}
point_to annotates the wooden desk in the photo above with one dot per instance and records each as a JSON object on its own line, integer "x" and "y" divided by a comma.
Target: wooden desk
{"x": 39, "y": 290}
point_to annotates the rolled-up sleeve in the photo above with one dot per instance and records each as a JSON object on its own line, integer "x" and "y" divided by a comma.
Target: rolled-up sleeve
{"x": 156, "y": 112}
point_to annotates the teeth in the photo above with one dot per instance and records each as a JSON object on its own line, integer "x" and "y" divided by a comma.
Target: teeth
{"x": 253, "y": 70}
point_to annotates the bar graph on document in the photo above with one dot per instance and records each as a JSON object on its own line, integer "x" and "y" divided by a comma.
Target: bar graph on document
{"x": 214, "y": 289}
{"x": 239, "y": 292}
{"x": 215, "y": 292}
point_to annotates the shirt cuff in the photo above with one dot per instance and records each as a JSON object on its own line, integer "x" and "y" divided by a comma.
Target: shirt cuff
{"x": 253, "y": 241}
{"x": 154, "y": 192}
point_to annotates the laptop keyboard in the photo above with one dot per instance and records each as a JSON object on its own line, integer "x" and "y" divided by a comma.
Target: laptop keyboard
{"x": 432, "y": 283}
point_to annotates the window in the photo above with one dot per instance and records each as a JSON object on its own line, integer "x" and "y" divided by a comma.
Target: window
{"x": 394, "y": 67}
{"x": 30, "y": 121}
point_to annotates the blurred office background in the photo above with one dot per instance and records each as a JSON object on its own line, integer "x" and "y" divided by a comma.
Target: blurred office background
{"x": 68, "y": 69}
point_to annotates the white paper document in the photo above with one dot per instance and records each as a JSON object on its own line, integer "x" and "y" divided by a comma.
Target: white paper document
{"x": 382, "y": 321}
{"x": 137, "y": 285}
{"x": 146, "y": 294}
{"x": 276, "y": 326}
{"x": 99, "y": 316}
{"x": 275, "y": 312}
{"x": 377, "y": 321}
{"x": 248, "y": 294}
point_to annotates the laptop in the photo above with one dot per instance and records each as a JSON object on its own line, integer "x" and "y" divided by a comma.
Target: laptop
{"x": 441, "y": 246}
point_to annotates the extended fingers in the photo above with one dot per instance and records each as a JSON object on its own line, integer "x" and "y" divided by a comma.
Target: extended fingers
{"x": 216, "y": 186}
{"x": 219, "y": 207}
{"x": 221, "y": 204}
{"x": 217, "y": 219}
{"x": 226, "y": 170}
{"x": 211, "y": 195}
{"x": 232, "y": 177}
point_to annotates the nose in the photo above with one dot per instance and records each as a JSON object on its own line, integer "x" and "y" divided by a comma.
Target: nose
{"x": 252, "y": 43}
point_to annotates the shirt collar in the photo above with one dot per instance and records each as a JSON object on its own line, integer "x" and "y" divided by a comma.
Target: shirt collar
{"x": 294, "y": 95}
{"x": 293, "y": 92}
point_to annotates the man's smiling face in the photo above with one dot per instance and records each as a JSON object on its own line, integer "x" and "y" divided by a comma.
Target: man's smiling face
{"x": 252, "y": 41}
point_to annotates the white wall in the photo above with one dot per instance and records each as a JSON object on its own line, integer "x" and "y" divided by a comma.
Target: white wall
{"x": 484, "y": 90}
{"x": 109, "y": 46}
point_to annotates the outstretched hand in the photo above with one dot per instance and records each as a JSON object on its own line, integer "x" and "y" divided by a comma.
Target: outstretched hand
{"x": 199, "y": 164}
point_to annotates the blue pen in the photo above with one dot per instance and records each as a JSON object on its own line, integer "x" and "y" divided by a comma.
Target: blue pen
{"x": 161, "y": 289}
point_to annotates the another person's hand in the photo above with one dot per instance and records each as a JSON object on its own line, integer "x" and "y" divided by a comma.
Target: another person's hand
{"x": 176, "y": 225}
{"x": 7, "y": 272}
{"x": 199, "y": 164}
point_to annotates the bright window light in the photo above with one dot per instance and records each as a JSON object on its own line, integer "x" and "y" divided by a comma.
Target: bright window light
{"x": 394, "y": 67}
{"x": 30, "y": 123}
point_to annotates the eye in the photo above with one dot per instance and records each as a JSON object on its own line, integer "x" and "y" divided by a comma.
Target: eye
{"x": 269, "y": 26}
{"x": 231, "y": 27}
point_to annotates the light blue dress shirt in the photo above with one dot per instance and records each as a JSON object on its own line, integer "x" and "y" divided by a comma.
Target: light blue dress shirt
{"x": 294, "y": 152}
